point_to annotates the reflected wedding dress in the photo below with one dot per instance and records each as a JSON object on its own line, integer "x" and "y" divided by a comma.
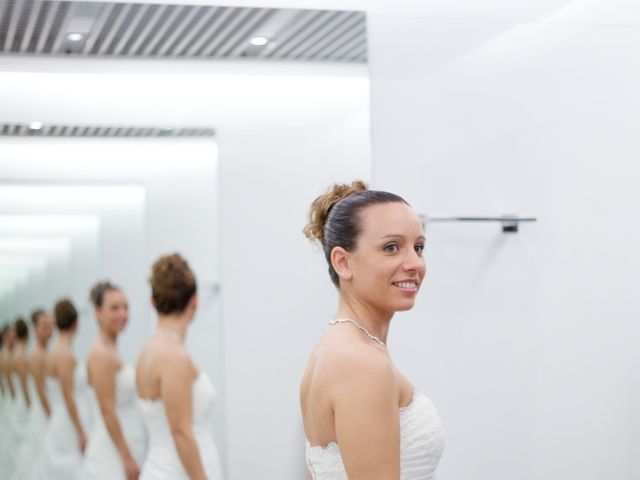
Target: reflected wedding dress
{"x": 162, "y": 462}
{"x": 61, "y": 457}
{"x": 31, "y": 446}
{"x": 17, "y": 421}
{"x": 421, "y": 446}
{"x": 102, "y": 459}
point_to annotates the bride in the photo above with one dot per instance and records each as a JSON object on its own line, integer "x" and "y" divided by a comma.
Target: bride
{"x": 35, "y": 428}
{"x": 116, "y": 444}
{"x": 65, "y": 439}
{"x": 362, "y": 418}
{"x": 176, "y": 397}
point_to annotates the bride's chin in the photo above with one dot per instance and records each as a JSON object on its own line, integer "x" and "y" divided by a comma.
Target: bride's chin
{"x": 403, "y": 307}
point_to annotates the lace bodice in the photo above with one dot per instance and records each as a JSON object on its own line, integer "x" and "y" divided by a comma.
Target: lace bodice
{"x": 421, "y": 446}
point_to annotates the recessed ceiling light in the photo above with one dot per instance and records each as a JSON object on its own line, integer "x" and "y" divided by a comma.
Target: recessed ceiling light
{"x": 259, "y": 41}
{"x": 75, "y": 37}
{"x": 35, "y": 126}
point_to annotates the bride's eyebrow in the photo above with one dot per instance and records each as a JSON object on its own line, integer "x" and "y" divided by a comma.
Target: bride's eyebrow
{"x": 421, "y": 238}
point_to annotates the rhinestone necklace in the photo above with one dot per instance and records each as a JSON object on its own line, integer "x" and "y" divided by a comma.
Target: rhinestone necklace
{"x": 359, "y": 327}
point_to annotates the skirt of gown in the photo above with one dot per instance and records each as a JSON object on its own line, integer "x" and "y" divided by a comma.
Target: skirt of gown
{"x": 17, "y": 423}
{"x": 31, "y": 446}
{"x": 61, "y": 457}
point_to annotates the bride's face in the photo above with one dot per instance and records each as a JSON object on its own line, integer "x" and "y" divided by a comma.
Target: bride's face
{"x": 387, "y": 266}
{"x": 114, "y": 312}
{"x": 44, "y": 327}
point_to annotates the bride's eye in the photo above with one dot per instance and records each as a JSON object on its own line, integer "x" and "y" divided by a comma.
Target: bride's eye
{"x": 391, "y": 248}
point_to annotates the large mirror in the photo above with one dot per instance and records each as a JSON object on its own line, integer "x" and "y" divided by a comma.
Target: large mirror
{"x": 134, "y": 130}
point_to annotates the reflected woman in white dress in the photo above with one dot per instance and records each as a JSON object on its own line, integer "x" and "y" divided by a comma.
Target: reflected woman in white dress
{"x": 8, "y": 397}
{"x": 362, "y": 418}
{"x": 31, "y": 447}
{"x": 22, "y": 402}
{"x": 176, "y": 398}
{"x": 65, "y": 439}
{"x": 117, "y": 441}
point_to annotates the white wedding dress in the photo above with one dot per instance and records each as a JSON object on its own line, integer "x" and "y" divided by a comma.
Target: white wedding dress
{"x": 102, "y": 459}
{"x": 5, "y": 406}
{"x": 7, "y": 431}
{"x": 35, "y": 427}
{"x": 162, "y": 462}
{"x": 61, "y": 456}
{"x": 19, "y": 415}
{"x": 421, "y": 446}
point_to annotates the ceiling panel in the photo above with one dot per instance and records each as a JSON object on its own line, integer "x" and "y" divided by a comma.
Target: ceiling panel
{"x": 144, "y": 30}
{"x": 99, "y": 131}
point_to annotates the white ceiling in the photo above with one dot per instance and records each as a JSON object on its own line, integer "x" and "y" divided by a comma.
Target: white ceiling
{"x": 609, "y": 12}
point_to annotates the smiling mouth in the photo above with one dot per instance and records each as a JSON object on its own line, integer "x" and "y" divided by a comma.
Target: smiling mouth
{"x": 407, "y": 285}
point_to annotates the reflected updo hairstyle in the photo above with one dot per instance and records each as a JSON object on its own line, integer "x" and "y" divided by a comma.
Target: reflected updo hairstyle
{"x": 334, "y": 217}
{"x": 96, "y": 295}
{"x": 66, "y": 315}
{"x": 172, "y": 284}
{"x": 22, "y": 329}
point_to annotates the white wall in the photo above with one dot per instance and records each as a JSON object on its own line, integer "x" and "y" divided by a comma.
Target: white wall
{"x": 526, "y": 343}
{"x": 68, "y": 245}
{"x": 284, "y": 132}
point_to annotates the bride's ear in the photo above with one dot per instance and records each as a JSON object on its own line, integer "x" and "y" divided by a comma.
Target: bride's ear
{"x": 340, "y": 263}
{"x": 193, "y": 302}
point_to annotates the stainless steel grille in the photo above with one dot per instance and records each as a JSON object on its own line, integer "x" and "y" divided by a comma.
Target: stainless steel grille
{"x": 74, "y": 28}
{"x": 87, "y": 131}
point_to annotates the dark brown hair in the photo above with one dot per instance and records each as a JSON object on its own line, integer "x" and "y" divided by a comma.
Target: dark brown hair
{"x": 172, "y": 284}
{"x": 66, "y": 315}
{"x": 35, "y": 315}
{"x": 334, "y": 217}
{"x": 96, "y": 295}
{"x": 22, "y": 329}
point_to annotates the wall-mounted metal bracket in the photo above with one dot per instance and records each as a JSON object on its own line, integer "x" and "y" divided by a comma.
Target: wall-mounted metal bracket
{"x": 510, "y": 223}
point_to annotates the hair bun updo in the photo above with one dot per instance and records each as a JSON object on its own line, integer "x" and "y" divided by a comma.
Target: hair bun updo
{"x": 334, "y": 218}
{"x": 321, "y": 206}
{"x": 172, "y": 284}
{"x": 65, "y": 314}
{"x": 22, "y": 330}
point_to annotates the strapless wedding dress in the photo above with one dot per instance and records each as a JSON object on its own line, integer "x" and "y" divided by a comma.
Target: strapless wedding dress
{"x": 421, "y": 446}
{"x": 6, "y": 412}
{"x": 102, "y": 459}
{"x": 19, "y": 415}
{"x": 162, "y": 462}
{"x": 61, "y": 457}
{"x": 35, "y": 427}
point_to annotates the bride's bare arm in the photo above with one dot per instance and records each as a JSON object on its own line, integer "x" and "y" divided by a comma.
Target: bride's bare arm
{"x": 176, "y": 385}
{"x": 65, "y": 370}
{"x": 103, "y": 368}
{"x": 37, "y": 370}
{"x": 365, "y": 399}
{"x": 22, "y": 368}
